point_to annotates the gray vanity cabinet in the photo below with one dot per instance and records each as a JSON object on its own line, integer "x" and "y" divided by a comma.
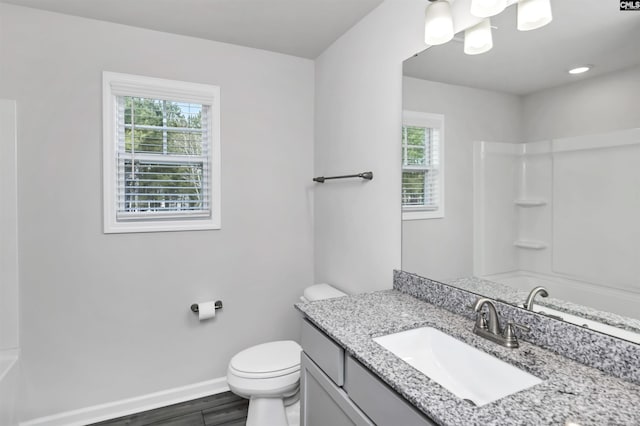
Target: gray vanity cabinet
{"x": 322, "y": 402}
{"x": 337, "y": 390}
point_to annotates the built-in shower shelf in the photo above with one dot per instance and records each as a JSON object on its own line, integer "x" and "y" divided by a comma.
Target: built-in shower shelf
{"x": 530, "y": 202}
{"x": 530, "y": 244}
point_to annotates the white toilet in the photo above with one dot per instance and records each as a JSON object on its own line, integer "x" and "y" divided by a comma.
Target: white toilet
{"x": 269, "y": 374}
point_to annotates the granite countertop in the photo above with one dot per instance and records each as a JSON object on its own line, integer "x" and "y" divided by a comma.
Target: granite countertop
{"x": 570, "y": 393}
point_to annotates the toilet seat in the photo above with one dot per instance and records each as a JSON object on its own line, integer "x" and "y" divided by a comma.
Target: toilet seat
{"x": 266, "y": 375}
{"x": 280, "y": 386}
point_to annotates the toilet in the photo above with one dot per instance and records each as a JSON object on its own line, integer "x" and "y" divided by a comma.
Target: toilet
{"x": 268, "y": 375}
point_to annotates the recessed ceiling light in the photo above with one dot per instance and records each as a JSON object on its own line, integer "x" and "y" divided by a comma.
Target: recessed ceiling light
{"x": 580, "y": 70}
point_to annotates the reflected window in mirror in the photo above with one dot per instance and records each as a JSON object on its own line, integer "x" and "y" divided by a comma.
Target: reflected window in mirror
{"x": 422, "y": 165}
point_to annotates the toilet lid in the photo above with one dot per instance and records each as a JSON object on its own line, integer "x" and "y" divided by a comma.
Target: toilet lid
{"x": 268, "y": 357}
{"x": 321, "y": 292}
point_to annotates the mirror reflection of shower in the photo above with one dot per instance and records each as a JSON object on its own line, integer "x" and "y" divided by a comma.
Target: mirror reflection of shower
{"x": 574, "y": 225}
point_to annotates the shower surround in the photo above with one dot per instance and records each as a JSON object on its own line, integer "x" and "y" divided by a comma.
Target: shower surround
{"x": 564, "y": 212}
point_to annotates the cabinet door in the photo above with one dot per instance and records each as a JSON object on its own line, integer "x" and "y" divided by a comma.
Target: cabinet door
{"x": 381, "y": 403}
{"x": 323, "y": 403}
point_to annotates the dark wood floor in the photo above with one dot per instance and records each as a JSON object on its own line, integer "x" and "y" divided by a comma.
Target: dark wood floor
{"x": 224, "y": 409}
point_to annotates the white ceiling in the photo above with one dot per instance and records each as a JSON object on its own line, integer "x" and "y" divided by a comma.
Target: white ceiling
{"x": 297, "y": 27}
{"x": 582, "y": 32}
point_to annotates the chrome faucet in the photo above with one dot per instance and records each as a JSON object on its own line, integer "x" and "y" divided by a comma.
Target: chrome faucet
{"x": 490, "y": 328}
{"x": 493, "y": 324}
{"x": 537, "y": 290}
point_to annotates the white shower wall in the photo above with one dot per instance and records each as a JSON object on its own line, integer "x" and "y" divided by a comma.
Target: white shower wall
{"x": 495, "y": 186}
{"x": 596, "y": 205}
{"x": 535, "y": 210}
{"x": 574, "y": 211}
{"x": 8, "y": 231}
{"x": 9, "y": 343}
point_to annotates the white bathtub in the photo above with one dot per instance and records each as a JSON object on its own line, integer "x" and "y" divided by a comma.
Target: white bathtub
{"x": 594, "y": 325}
{"x": 613, "y": 305}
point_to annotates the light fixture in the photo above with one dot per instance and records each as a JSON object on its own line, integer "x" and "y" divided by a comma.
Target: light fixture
{"x": 580, "y": 70}
{"x": 533, "y": 14}
{"x": 438, "y": 23}
{"x": 487, "y": 8}
{"x": 478, "y": 39}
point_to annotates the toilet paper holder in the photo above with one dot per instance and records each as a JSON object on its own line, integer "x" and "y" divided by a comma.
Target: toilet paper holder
{"x": 218, "y": 305}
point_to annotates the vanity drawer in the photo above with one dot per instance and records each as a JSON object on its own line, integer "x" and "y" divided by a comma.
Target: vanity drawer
{"x": 381, "y": 403}
{"x": 326, "y": 353}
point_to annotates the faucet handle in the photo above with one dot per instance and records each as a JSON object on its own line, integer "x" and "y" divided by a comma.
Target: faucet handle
{"x": 521, "y": 327}
{"x": 509, "y": 334}
{"x": 481, "y": 321}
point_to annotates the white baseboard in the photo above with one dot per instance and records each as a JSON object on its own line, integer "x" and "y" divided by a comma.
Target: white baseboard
{"x": 125, "y": 407}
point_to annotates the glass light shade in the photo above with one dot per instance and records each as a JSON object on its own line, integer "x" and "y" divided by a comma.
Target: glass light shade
{"x": 438, "y": 23}
{"x": 487, "y": 8}
{"x": 533, "y": 14}
{"x": 478, "y": 39}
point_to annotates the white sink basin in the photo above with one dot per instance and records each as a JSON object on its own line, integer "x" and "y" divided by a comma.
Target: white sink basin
{"x": 464, "y": 370}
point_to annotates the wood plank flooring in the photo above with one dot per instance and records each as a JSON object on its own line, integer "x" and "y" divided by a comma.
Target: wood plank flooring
{"x": 223, "y": 409}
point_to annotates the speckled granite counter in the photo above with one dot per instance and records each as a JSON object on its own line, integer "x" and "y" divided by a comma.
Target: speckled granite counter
{"x": 571, "y": 392}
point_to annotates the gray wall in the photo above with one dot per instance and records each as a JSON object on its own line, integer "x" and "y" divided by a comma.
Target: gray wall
{"x": 443, "y": 248}
{"x": 106, "y": 317}
{"x": 357, "y": 234}
{"x": 593, "y": 105}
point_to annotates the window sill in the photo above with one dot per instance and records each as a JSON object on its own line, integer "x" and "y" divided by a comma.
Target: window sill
{"x": 422, "y": 214}
{"x": 160, "y": 226}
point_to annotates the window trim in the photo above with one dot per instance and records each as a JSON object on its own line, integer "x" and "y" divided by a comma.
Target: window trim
{"x": 118, "y": 84}
{"x": 429, "y": 120}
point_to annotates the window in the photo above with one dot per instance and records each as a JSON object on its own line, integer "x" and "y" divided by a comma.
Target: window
{"x": 161, "y": 154}
{"x": 422, "y": 165}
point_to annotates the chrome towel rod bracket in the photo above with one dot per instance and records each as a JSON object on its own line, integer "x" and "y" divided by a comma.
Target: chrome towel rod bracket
{"x": 363, "y": 175}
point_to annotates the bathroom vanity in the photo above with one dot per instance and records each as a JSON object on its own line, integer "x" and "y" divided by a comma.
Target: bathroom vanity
{"x": 338, "y": 390}
{"x": 348, "y": 378}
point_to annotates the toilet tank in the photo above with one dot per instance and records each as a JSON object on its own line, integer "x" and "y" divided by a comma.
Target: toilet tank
{"x": 319, "y": 292}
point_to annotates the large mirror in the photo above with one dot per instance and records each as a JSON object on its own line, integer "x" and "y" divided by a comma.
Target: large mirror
{"x": 517, "y": 174}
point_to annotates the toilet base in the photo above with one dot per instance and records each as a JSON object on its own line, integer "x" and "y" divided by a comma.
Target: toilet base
{"x": 266, "y": 411}
{"x": 293, "y": 414}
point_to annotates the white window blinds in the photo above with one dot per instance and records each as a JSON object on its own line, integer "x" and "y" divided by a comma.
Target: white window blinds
{"x": 420, "y": 159}
{"x": 161, "y": 154}
{"x": 162, "y": 157}
{"x": 422, "y": 165}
